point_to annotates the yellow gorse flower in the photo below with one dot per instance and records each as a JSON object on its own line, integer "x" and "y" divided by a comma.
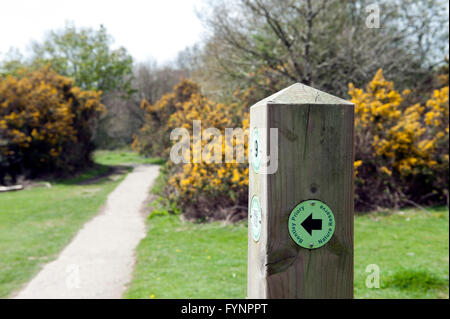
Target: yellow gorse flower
{"x": 406, "y": 139}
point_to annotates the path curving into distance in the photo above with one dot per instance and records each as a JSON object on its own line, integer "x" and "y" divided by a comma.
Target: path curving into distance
{"x": 99, "y": 261}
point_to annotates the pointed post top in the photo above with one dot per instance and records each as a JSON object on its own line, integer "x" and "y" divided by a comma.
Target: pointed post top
{"x": 299, "y": 93}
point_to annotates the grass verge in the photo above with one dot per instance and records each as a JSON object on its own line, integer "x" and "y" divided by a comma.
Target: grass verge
{"x": 37, "y": 223}
{"x": 186, "y": 260}
{"x": 411, "y": 249}
{"x": 123, "y": 157}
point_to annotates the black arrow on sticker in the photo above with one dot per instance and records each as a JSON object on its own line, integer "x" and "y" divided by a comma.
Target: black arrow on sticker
{"x": 310, "y": 224}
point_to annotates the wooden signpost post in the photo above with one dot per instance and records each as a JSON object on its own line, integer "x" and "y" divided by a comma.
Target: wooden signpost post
{"x": 300, "y": 241}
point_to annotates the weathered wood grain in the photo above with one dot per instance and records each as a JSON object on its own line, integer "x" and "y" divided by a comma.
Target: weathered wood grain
{"x": 315, "y": 161}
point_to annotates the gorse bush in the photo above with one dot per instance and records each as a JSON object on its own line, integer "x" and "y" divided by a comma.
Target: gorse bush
{"x": 46, "y": 124}
{"x": 214, "y": 188}
{"x": 210, "y": 189}
{"x": 401, "y": 148}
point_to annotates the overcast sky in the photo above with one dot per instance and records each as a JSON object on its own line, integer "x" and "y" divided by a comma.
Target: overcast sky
{"x": 146, "y": 28}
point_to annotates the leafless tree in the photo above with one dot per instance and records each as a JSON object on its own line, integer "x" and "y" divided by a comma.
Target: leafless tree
{"x": 323, "y": 43}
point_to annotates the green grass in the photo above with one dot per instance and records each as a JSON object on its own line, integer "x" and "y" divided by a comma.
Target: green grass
{"x": 411, "y": 249}
{"x": 94, "y": 172}
{"x": 37, "y": 223}
{"x": 186, "y": 260}
{"x": 181, "y": 259}
{"x": 123, "y": 157}
{"x": 415, "y": 280}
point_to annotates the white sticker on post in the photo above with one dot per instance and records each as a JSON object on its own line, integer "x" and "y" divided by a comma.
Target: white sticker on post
{"x": 255, "y": 218}
{"x": 255, "y": 150}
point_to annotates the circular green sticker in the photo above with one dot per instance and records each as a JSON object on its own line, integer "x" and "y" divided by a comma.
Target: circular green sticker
{"x": 255, "y": 218}
{"x": 255, "y": 150}
{"x": 311, "y": 224}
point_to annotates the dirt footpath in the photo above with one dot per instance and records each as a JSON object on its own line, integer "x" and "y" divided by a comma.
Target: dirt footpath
{"x": 99, "y": 261}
